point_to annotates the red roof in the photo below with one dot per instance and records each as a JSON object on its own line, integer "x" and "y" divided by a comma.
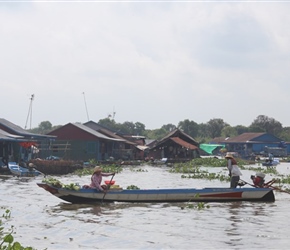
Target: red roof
{"x": 183, "y": 143}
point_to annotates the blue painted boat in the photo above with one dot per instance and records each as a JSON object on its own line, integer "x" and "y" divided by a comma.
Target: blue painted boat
{"x": 19, "y": 171}
{"x": 83, "y": 195}
{"x": 270, "y": 164}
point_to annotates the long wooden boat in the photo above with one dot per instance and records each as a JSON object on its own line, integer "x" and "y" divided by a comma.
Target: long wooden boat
{"x": 19, "y": 171}
{"x": 161, "y": 195}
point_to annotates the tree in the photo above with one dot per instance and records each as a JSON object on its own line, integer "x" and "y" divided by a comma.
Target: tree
{"x": 128, "y": 128}
{"x": 189, "y": 127}
{"x": 267, "y": 124}
{"x": 108, "y": 123}
{"x": 228, "y": 131}
{"x": 139, "y": 128}
{"x": 203, "y": 131}
{"x": 285, "y": 134}
{"x": 43, "y": 128}
{"x": 168, "y": 127}
{"x": 156, "y": 134}
{"x": 240, "y": 129}
{"x": 215, "y": 126}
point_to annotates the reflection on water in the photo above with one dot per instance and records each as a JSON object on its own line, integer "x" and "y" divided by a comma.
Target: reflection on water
{"x": 233, "y": 230}
{"x": 107, "y": 208}
{"x": 80, "y": 208}
{"x": 46, "y": 222}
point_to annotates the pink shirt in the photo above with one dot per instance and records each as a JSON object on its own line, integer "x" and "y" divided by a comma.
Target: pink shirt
{"x": 96, "y": 180}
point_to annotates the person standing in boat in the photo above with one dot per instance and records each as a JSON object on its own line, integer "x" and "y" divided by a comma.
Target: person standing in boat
{"x": 96, "y": 179}
{"x": 270, "y": 157}
{"x": 234, "y": 171}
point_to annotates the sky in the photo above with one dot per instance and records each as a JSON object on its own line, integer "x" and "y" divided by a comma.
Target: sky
{"x": 154, "y": 62}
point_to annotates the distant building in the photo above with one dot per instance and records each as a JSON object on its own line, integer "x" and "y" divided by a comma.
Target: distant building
{"x": 90, "y": 141}
{"x": 248, "y": 144}
{"x": 175, "y": 146}
{"x": 17, "y": 143}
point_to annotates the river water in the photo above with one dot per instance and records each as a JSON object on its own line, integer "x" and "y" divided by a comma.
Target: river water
{"x": 43, "y": 221}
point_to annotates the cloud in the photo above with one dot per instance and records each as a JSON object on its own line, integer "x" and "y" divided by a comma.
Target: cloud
{"x": 155, "y": 63}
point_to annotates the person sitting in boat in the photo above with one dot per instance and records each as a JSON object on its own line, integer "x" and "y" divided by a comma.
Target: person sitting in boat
{"x": 96, "y": 179}
{"x": 234, "y": 171}
{"x": 30, "y": 166}
{"x": 258, "y": 179}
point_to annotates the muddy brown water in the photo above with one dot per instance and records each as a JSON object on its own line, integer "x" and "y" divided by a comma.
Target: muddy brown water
{"x": 45, "y": 222}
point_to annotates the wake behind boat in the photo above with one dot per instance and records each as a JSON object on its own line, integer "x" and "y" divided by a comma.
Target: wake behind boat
{"x": 19, "y": 171}
{"x": 83, "y": 195}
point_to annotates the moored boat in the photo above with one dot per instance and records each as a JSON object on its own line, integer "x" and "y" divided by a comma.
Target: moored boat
{"x": 19, "y": 171}
{"x": 83, "y": 195}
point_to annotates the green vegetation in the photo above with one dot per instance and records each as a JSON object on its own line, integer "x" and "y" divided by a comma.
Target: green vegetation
{"x": 205, "y": 162}
{"x": 56, "y": 183}
{"x": 7, "y": 241}
{"x": 138, "y": 170}
{"x": 192, "y": 169}
{"x": 112, "y": 168}
{"x": 285, "y": 179}
{"x": 202, "y": 132}
{"x": 260, "y": 169}
{"x": 197, "y": 205}
{"x": 131, "y": 187}
{"x": 208, "y": 176}
{"x": 53, "y": 182}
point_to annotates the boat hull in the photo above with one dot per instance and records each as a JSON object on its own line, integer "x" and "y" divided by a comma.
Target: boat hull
{"x": 22, "y": 172}
{"x": 273, "y": 163}
{"x": 268, "y": 164}
{"x": 162, "y": 195}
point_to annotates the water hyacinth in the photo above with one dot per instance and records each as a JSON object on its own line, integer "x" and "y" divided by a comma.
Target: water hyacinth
{"x": 7, "y": 240}
{"x": 112, "y": 168}
{"x": 196, "y": 205}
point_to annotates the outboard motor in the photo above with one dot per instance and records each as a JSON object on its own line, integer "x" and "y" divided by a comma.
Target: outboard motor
{"x": 258, "y": 179}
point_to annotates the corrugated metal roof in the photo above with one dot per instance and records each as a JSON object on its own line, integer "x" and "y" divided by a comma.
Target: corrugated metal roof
{"x": 183, "y": 143}
{"x": 175, "y": 132}
{"x": 13, "y": 126}
{"x": 94, "y": 132}
{"x": 20, "y": 131}
{"x": 245, "y": 137}
{"x": 4, "y": 136}
{"x": 97, "y": 127}
{"x": 112, "y": 135}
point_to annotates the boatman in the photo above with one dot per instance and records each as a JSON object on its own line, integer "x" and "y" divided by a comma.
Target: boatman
{"x": 96, "y": 179}
{"x": 234, "y": 171}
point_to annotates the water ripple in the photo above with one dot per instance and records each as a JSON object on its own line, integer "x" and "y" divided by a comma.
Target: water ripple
{"x": 45, "y": 222}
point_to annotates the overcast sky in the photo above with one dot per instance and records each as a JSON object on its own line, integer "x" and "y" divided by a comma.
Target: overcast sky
{"x": 150, "y": 62}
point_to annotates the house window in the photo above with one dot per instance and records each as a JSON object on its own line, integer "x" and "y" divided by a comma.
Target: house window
{"x": 91, "y": 147}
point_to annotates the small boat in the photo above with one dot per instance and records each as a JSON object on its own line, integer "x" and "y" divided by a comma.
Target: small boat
{"x": 272, "y": 163}
{"x": 83, "y": 195}
{"x": 19, "y": 171}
